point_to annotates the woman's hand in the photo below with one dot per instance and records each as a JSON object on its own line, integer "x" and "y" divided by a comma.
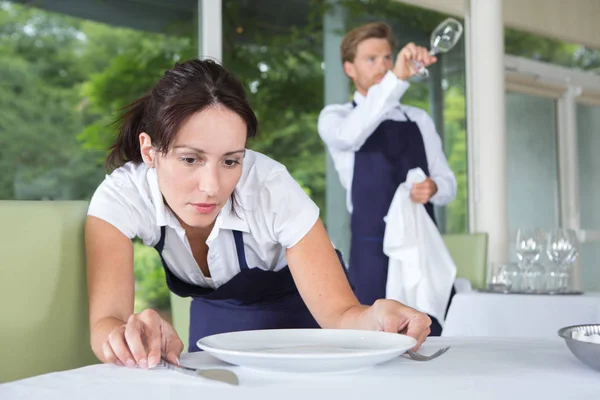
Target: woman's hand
{"x": 142, "y": 341}
{"x": 392, "y": 316}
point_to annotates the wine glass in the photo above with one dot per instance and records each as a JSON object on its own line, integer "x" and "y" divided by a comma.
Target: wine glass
{"x": 443, "y": 38}
{"x": 562, "y": 250}
{"x": 566, "y": 281}
{"x": 512, "y": 277}
{"x": 530, "y": 242}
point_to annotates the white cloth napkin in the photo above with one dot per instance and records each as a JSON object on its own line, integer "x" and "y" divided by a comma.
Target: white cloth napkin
{"x": 421, "y": 271}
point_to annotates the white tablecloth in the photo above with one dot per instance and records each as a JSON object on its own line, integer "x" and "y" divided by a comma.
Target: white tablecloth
{"x": 518, "y": 315}
{"x": 474, "y": 368}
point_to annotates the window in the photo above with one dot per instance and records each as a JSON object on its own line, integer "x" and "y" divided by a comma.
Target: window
{"x": 62, "y": 82}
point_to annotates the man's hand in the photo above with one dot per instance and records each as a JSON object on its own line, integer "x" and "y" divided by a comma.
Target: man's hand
{"x": 404, "y": 68}
{"x": 422, "y": 192}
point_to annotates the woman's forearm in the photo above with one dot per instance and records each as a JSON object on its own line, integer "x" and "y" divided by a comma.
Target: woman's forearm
{"x": 353, "y": 318}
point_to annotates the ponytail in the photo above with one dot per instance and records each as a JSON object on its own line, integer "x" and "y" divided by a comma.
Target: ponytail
{"x": 130, "y": 124}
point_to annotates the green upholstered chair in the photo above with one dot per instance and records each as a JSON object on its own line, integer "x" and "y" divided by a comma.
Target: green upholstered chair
{"x": 469, "y": 252}
{"x": 43, "y": 296}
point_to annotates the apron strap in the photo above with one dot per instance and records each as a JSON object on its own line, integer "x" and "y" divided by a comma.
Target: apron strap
{"x": 239, "y": 246}
{"x": 161, "y": 242}
{"x": 176, "y": 285}
{"x": 237, "y": 236}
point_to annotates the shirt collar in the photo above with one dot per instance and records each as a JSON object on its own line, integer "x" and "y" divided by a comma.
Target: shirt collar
{"x": 164, "y": 216}
{"x": 358, "y": 98}
{"x": 235, "y": 221}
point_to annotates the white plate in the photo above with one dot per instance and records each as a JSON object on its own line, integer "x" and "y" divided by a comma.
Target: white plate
{"x": 306, "y": 350}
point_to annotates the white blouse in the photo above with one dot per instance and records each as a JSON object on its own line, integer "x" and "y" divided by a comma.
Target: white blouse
{"x": 274, "y": 214}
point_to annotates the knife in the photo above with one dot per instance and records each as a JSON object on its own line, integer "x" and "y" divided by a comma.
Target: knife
{"x": 215, "y": 374}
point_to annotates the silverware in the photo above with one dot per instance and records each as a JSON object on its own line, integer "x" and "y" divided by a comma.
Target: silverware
{"x": 215, "y": 374}
{"x": 420, "y": 357}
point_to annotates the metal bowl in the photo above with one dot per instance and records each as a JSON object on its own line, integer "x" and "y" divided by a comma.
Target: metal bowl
{"x": 588, "y": 353}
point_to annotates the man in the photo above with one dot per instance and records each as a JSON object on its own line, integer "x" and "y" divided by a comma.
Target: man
{"x": 374, "y": 141}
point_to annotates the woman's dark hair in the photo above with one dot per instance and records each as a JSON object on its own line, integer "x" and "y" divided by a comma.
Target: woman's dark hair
{"x": 184, "y": 90}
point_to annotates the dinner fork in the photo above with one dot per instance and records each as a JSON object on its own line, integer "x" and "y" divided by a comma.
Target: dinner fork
{"x": 420, "y": 357}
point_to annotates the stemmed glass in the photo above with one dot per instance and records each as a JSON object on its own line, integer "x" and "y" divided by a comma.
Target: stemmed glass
{"x": 530, "y": 242}
{"x": 562, "y": 250}
{"x": 443, "y": 38}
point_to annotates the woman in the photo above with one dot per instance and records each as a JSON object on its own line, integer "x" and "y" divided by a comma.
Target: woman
{"x": 226, "y": 221}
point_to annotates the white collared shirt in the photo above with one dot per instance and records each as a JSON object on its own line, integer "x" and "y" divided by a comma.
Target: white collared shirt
{"x": 274, "y": 214}
{"x": 345, "y": 128}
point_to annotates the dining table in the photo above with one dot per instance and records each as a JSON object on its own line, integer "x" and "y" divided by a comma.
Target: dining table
{"x": 474, "y": 368}
{"x": 477, "y": 313}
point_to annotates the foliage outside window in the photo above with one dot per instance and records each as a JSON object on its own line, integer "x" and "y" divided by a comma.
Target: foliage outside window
{"x": 63, "y": 80}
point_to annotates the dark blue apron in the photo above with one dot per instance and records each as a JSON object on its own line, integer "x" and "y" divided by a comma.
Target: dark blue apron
{"x": 253, "y": 299}
{"x": 380, "y": 166}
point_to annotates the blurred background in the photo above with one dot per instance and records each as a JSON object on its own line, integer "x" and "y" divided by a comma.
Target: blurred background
{"x": 68, "y": 66}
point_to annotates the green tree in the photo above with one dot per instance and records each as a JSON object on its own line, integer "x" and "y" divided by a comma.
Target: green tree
{"x": 151, "y": 290}
{"x": 40, "y": 156}
{"x": 528, "y": 45}
{"x": 128, "y": 74}
{"x": 284, "y": 78}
